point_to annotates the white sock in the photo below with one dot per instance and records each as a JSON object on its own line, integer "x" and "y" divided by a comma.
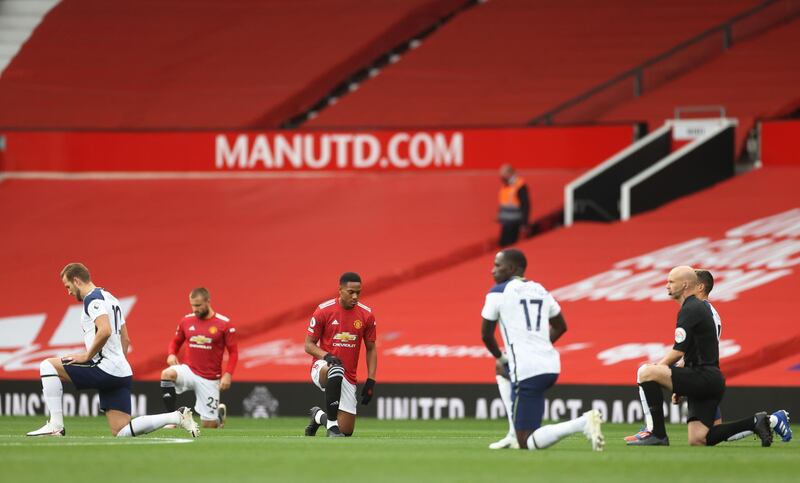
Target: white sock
{"x": 773, "y": 421}
{"x": 331, "y": 424}
{"x": 52, "y": 389}
{"x": 148, "y": 424}
{"x": 648, "y": 418}
{"x": 504, "y": 386}
{"x": 319, "y": 416}
{"x": 553, "y": 433}
{"x": 738, "y": 436}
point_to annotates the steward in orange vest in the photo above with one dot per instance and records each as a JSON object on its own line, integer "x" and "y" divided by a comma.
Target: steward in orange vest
{"x": 514, "y": 206}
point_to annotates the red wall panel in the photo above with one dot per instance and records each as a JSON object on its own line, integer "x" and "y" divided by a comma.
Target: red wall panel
{"x": 780, "y": 141}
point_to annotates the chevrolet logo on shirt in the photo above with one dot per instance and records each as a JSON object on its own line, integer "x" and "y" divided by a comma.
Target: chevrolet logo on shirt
{"x": 200, "y": 339}
{"x": 345, "y": 337}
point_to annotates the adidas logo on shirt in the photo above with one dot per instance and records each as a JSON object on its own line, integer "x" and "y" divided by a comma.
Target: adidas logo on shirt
{"x": 191, "y": 328}
{"x": 335, "y": 322}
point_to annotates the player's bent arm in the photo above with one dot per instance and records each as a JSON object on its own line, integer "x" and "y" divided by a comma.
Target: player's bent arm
{"x": 671, "y": 358}
{"x": 372, "y": 358}
{"x": 124, "y": 340}
{"x": 233, "y": 357}
{"x": 174, "y": 346}
{"x": 558, "y": 326}
{"x": 101, "y": 335}
{"x": 487, "y": 334}
{"x": 312, "y": 348}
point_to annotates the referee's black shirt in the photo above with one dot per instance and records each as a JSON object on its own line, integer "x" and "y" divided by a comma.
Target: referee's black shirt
{"x": 696, "y": 334}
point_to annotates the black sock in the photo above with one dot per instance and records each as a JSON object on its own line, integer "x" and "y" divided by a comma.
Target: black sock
{"x": 333, "y": 390}
{"x": 168, "y": 395}
{"x": 655, "y": 401}
{"x": 722, "y": 432}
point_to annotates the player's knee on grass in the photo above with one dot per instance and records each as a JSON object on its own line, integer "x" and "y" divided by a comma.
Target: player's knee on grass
{"x": 522, "y": 438}
{"x": 346, "y": 422}
{"x": 117, "y": 420}
{"x": 697, "y": 432}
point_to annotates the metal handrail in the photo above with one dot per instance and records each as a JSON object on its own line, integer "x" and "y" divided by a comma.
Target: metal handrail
{"x": 637, "y": 73}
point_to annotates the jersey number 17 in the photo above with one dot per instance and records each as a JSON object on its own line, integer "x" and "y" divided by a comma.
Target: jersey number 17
{"x": 538, "y": 304}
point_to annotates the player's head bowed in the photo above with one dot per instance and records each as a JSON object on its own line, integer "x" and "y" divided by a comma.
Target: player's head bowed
{"x": 199, "y": 299}
{"x": 76, "y": 277}
{"x": 349, "y": 289}
{"x": 509, "y": 263}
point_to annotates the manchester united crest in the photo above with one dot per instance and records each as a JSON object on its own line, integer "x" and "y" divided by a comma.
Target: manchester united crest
{"x": 212, "y": 330}
{"x": 358, "y": 324}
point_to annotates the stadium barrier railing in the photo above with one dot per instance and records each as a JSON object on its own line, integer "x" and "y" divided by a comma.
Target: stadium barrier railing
{"x": 671, "y": 63}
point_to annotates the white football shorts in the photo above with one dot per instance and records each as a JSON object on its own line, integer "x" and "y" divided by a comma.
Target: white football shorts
{"x": 206, "y": 391}
{"x": 347, "y": 401}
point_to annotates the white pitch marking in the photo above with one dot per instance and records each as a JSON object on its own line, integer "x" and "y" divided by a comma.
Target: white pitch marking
{"x": 87, "y": 440}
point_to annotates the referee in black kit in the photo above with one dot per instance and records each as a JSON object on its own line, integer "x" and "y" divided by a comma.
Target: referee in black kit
{"x": 700, "y": 380}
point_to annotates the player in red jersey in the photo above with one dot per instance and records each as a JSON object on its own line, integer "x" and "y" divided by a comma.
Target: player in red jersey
{"x": 209, "y": 334}
{"x": 339, "y": 325}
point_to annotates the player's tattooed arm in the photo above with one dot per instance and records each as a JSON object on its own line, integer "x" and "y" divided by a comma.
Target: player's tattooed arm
{"x": 487, "y": 334}
{"x": 557, "y": 327}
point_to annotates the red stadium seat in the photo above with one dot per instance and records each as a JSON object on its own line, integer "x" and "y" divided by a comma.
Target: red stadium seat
{"x": 505, "y": 62}
{"x": 757, "y": 78}
{"x": 153, "y": 64}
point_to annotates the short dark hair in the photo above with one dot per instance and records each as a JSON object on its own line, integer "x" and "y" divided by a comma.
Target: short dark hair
{"x": 200, "y": 292}
{"x": 76, "y": 270}
{"x": 349, "y": 277}
{"x": 705, "y": 277}
{"x": 515, "y": 258}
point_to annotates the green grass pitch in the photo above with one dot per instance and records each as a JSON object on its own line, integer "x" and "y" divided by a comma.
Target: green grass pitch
{"x": 382, "y": 451}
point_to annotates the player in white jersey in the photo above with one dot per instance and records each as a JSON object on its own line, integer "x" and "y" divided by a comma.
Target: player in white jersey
{"x": 103, "y": 366}
{"x": 530, "y": 321}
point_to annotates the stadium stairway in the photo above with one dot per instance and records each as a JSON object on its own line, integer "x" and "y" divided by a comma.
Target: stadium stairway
{"x": 610, "y": 281}
{"x": 269, "y": 249}
{"x": 167, "y": 65}
{"x": 756, "y": 79}
{"x": 504, "y": 62}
